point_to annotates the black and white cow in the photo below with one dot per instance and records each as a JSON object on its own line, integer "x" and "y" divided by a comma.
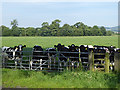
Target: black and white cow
{"x": 7, "y": 52}
{"x": 51, "y": 57}
{"x": 50, "y": 52}
{"x": 19, "y": 50}
{"x": 99, "y": 49}
{"x": 13, "y": 53}
{"x": 74, "y": 52}
{"x": 85, "y": 49}
{"x": 64, "y": 52}
{"x": 12, "y": 56}
{"x": 104, "y": 49}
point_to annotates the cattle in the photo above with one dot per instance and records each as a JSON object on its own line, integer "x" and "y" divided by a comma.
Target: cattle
{"x": 74, "y": 52}
{"x": 13, "y": 53}
{"x": 38, "y": 58}
{"x": 64, "y": 52}
{"x": 104, "y": 49}
{"x": 74, "y": 55}
{"x": 51, "y": 54}
{"x": 85, "y": 49}
{"x": 37, "y": 52}
{"x": 19, "y": 50}
{"x": 99, "y": 49}
{"x": 8, "y": 53}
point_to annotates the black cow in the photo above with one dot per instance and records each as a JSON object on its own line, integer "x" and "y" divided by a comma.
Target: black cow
{"x": 41, "y": 57}
{"x": 85, "y": 49}
{"x": 64, "y": 52}
{"x": 37, "y": 52}
{"x": 99, "y": 49}
{"x": 74, "y": 52}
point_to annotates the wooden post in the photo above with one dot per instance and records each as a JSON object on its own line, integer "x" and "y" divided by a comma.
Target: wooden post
{"x": 3, "y": 61}
{"x": 107, "y": 62}
{"x": 117, "y": 62}
{"x": 80, "y": 60}
{"x": 91, "y": 60}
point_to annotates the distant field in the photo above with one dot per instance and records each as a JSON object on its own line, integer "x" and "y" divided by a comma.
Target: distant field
{"x": 46, "y": 42}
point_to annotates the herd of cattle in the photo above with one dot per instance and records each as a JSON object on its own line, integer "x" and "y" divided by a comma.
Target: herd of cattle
{"x": 73, "y": 52}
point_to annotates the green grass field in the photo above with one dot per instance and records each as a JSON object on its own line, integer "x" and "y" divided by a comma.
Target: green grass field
{"x": 33, "y": 79}
{"x": 46, "y": 42}
{"x": 81, "y": 79}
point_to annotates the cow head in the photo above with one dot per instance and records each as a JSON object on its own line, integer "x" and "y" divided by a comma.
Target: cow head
{"x": 73, "y": 48}
{"x": 59, "y": 47}
{"x": 83, "y": 48}
{"x": 19, "y": 47}
{"x": 37, "y": 48}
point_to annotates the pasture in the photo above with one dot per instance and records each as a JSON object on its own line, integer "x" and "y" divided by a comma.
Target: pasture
{"x": 76, "y": 79}
{"x": 47, "y": 42}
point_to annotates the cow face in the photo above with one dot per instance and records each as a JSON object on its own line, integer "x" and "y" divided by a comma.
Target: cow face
{"x": 73, "y": 48}
{"x": 59, "y": 47}
{"x": 84, "y": 48}
{"x": 20, "y": 47}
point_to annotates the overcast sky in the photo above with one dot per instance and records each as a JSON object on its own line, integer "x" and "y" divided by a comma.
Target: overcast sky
{"x": 34, "y": 13}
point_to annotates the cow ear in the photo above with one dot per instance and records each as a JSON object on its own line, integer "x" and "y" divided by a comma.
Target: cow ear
{"x": 15, "y": 47}
{"x": 55, "y": 46}
{"x": 24, "y": 46}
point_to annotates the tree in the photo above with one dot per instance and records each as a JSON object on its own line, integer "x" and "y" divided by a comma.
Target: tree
{"x": 30, "y": 31}
{"x": 15, "y": 29}
{"x": 95, "y": 31}
{"x": 45, "y": 24}
{"x": 109, "y": 33}
{"x": 14, "y": 23}
{"x": 56, "y": 24}
{"x": 5, "y": 31}
{"x": 103, "y": 31}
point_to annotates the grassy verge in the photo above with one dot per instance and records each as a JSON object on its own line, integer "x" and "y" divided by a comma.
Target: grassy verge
{"x": 37, "y": 79}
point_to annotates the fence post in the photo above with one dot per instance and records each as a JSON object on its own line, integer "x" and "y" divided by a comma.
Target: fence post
{"x": 91, "y": 60}
{"x": 117, "y": 62}
{"x": 80, "y": 60}
{"x": 107, "y": 62}
{"x": 3, "y": 61}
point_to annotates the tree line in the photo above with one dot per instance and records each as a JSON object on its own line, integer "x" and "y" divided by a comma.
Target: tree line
{"x": 54, "y": 29}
